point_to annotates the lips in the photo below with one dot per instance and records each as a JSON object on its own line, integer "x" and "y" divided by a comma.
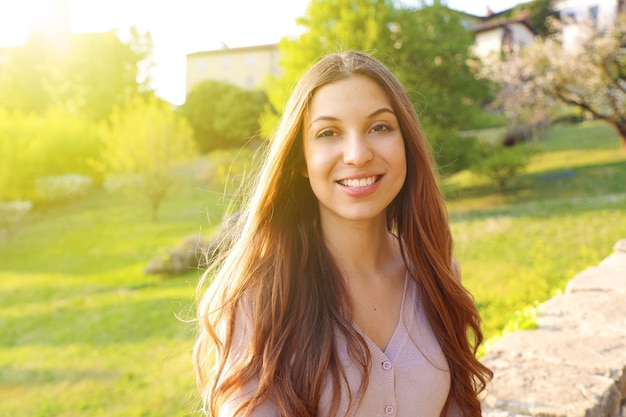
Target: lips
{"x": 359, "y": 182}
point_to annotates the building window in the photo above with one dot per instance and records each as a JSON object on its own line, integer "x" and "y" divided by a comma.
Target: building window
{"x": 226, "y": 62}
{"x": 593, "y": 12}
{"x": 250, "y": 59}
{"x": 249, "y": 82}
{"x": 201, "y": 64}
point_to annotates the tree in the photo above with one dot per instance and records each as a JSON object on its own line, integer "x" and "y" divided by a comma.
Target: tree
{"x": 33, "y": 147}
{"x": 99, "y": 72}
{"x": 432, "y": 56}
{"x": 89, "y": 76}
{"x": 223, "y": 115}
{"x": 146, "y": 139}
{"x": 24, "y": 71}
{"x": 541, "y": 11}
{"x": 588, "y": 72}
{"x": 529, "y": 110}
{"x": 427, "y": 48}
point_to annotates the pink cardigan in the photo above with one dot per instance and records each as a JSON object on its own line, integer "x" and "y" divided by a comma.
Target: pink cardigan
{"x": 409, "y": 378}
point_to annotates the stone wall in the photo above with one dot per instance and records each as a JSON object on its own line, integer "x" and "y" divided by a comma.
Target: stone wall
{"x": 574, "y": 363}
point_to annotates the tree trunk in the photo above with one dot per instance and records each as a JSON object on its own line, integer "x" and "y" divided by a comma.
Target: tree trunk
{"x": 621, "y": 131}
{"x": 155, "y": 204}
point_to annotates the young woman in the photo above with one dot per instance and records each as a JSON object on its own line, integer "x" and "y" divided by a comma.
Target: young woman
{"x": 337, "y": 293}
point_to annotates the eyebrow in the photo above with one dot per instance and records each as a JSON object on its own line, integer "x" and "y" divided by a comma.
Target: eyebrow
{"x": 334, "y": 119}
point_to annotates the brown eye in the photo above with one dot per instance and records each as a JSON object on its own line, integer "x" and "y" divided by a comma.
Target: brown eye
{"x": 381, "y": 127}
{"x": 326, "y": 133}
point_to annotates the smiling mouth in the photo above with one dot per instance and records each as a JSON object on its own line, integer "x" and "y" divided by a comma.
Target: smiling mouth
{"x": 360, "y": 182}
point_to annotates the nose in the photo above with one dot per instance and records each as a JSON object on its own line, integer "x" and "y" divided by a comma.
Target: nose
{"x": 356, "y": 150}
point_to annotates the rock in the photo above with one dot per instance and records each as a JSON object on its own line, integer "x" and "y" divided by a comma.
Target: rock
{"x": 181, "y": 259}
{"x": 192, "y": 253}
{"x": 574, "y": 363}
{"x": 620, "y": 246}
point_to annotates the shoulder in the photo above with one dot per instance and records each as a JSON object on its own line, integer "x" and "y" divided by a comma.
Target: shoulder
{"x": 456, "y": 270}
{"x": 265, "y": 409}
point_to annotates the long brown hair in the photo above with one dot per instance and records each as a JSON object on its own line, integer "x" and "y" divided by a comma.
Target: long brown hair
{"x": 276, "y": 269}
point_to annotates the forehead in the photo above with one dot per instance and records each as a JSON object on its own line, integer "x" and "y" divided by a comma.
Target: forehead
{"x": 352, "y": 93}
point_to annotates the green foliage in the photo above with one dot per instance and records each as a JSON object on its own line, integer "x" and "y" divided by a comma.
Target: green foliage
{"x": 24, "y": 73}
{"x": 97, "y": 73}
{"x": 32, "y": 147}
{"x": 223, "y": 115}
{"x": 432, "y": 57}
{"x": 88, "y": 76}
{"x": 452, "y": 152}
{"x": 16, "y": 141}
{"x": 146, "y": 139}
{"x": 538, "y": 13}
{"x": 501, "y": 164}
{"x": 427, "y": 48}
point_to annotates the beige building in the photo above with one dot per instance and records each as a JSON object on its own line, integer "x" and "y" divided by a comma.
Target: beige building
{"x": 245, "y": 67}
{"x": 601, "y": 13}
{"x": 498, "y": 35}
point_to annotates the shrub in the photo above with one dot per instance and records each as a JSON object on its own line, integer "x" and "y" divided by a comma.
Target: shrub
{"x": 62, "y": 187}
{"x": 452, "y": 152}
{"x": 501, "y": 164}
{"x": 32, "y": 146}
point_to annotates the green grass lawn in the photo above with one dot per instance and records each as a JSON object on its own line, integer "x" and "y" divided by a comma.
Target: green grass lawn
{"x": 85, "y": 333}
{"x": 562, "y": 215}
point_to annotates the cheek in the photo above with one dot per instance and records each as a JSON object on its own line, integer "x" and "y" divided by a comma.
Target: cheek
{"x": 396, "y": 156}
{"x": 314, "y": 163}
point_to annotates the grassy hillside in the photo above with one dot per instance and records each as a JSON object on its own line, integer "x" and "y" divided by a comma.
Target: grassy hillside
{"x": 563, "y": 215}
{"x": 84, "y": 332}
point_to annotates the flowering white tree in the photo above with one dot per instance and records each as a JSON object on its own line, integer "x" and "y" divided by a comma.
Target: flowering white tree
{"x": 528, "y": 108}
{"x": 587, "y": 71}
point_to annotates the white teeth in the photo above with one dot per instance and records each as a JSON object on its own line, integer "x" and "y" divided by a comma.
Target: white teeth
{"x": 363, "y": 182}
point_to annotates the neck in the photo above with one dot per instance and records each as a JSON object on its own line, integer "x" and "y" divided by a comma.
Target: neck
{"x": 363, "y": 250}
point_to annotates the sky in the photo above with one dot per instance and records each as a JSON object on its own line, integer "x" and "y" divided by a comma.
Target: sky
{"x": 180, "y": 27}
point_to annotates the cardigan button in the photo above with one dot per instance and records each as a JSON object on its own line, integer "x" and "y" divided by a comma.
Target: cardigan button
{"x": 387, "y": 365}
{"x": 390, "y": 409}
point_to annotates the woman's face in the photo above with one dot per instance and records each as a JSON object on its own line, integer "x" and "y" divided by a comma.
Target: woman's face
{"x": 354, "y": 150}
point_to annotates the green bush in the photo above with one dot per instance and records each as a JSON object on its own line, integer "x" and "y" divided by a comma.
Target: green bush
{"x": 16, "y": 167}
{"x": 33, "y": 147}
{"x": 222, "y": 115}
{"x": 452, "y": 152}
{"x": 501, "y": 164}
